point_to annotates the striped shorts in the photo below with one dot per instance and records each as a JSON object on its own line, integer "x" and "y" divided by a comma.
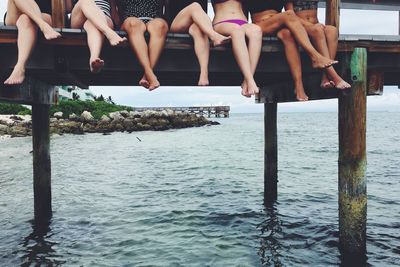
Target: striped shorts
{"x": 104, "y": 5}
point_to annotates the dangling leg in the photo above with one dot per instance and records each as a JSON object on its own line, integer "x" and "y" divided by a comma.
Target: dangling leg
{"x": 27, "y": 35}
{"x": 136, "y": 29}
{"x": 202, "y": 50}
{"x": 157, "y": 29}
{"x": 241, "y": 54}
{"x": 332, "y": 34}
{"x": 254, "y": 35}
{"x": 293, "y": 58}
{"x": 95, "y": 43}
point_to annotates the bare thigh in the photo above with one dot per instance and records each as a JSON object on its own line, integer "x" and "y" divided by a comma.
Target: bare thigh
{"x": 272, "y": 24}
{"x": 182, "y": 21}
{"x": 12, "y": 14}
{"x": 77, "y": 17}
{"x": 227, "y": 28}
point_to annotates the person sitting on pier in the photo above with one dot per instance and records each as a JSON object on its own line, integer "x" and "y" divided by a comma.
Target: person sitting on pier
{"x": 95, "y": 17}
{"x": 324, "y": 37}
{"x": 288, "y": 27}
{"x": 187, "y": 16}
{"x": 28, "y": 16}
{"x": 230, "y": 20}
{"x": 139, "y": 17}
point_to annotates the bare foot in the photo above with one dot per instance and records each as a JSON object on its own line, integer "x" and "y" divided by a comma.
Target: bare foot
{"x": 153, "y": 82}
{"x": 203, "y": 80}
{"x": 342, "y": 85}
{"x": 96, "y": 65}
{"x": 49, "y": 33}
{"x": 114, "y": 38}
{"x": 245, "y": 92}
{"x": 144, "y": 82}
{"x": 220, "y": 39}
{"x": 321, "y": 62}
{"x": 250, "y": 88}
{"x": 327, "y": 84}
{"x": 16, "y": 77}
{"x": 301, "y": 95}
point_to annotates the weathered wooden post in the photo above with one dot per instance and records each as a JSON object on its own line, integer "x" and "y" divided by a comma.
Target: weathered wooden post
{"x": 58, "y": 13}
{"x": 270, "y": 153}
{"x": 41, "y": 162}
{"x": 352, "y": 161}
{"x": 332, "y": 13}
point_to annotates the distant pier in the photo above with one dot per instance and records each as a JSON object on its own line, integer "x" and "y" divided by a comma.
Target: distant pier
{"x": 206, "y": 111}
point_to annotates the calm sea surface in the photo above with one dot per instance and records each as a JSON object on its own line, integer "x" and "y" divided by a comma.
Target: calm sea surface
{"x": 194, "y": 197}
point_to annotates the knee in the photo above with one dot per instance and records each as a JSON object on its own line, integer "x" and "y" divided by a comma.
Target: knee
{"x": 331, "y": 31}
{"x": 284, "y": 35}
{"x": 158, "y": 27}
{"x": 133, "y": 25}
{"x": 25, "y": 21}
{"x": 254, "y": 32}
{"x": 195, "y": 7}
{"x": 317, "y": 31}
{"x": 290, "y": 15}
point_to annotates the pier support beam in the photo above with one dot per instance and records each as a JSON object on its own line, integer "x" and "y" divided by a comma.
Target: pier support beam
{"x": 41, "y": 162}
{"x": 270, "y": 153}
{"x": 352, "y": 161}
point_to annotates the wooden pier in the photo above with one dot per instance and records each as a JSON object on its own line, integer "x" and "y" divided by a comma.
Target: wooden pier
{"x": 370, "y": 62}
{"x": 205, "y": 111}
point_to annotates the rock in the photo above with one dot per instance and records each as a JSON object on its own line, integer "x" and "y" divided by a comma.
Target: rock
{"x": 73, "y": 127}
{"x": 124, "y": 113}
{"x": 129, "y": 124}
{"x": 18, "y": 131}
{"x": 170, "y": 112}
{"x": 149, "y": 113}
{"x": 73, "y": 116}
{"x": 165, "y": 113}
{"x": 3, "y": 129}
{"x": 135, "y": 114}
{"x": 116, "y": 116}
{"x": 105, "y": 118}
{"x": 16, "y": 118}
{"x": 86, "y": 116}
{"x": 58, "y": 115}
{"x": 53, "y": 120}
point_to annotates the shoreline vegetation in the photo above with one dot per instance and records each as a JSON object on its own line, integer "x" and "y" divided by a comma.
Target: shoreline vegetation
{"x": 80, "y": 117}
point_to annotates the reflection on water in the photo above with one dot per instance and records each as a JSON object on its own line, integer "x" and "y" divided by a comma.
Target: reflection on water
{"x": 269, "y": 239}
{"x": 37, "y": 249}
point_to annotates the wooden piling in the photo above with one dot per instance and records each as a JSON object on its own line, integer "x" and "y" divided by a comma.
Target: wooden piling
{"x": 41, "y": 162}
{"x": 352, "y": 161}
{"x": 332, "y": 13}
{"x": 58, "y": 13}
{"x": 270, "y": 153}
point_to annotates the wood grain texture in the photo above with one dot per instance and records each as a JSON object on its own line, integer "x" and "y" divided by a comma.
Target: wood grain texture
{"x": 352, "y": 161}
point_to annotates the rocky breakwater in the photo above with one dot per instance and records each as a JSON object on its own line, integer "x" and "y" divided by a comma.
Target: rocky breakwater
{"x": 121, "y": 121}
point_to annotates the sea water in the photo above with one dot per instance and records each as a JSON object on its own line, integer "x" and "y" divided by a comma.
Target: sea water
{"x": 194, "y": 197}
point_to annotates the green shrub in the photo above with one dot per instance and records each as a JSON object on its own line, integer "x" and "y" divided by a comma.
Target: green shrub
{"x": 25, "y": 112}
{"x": 97, "y": 108}
{"x": 6, "y": 108}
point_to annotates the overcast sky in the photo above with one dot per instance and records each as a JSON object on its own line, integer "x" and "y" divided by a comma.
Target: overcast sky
{"x": 355, "y": 22}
